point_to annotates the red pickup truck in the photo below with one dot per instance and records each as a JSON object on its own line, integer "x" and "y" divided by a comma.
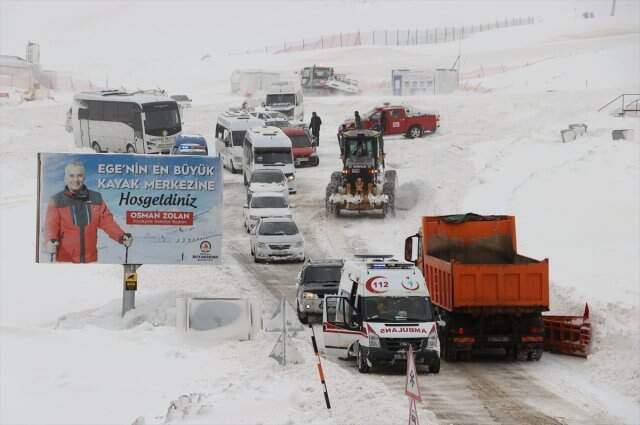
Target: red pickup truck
{"x": 398, "y": 119}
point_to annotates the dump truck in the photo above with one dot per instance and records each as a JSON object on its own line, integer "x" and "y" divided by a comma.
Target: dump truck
{"x": 486, "y": 294}
{"x": 363, "y": 184}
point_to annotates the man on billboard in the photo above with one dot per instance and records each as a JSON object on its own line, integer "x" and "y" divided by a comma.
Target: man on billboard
{"x": 74, "y": 216}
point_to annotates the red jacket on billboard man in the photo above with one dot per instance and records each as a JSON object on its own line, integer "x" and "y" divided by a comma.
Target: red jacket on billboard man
{"x": 74, "y": 216}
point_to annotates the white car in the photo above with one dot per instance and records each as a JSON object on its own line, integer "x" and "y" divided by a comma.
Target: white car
{"x": 271, "y": 118}
{"x": 277, "y": 238}
{"x": 267, "y": 180}
{"x": 265, "y": 204}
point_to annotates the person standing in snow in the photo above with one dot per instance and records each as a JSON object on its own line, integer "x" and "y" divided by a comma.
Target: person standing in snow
{"x": 314, "y": 125}
{"x": 74, "y": 216}
{"x": 358, "y": 120}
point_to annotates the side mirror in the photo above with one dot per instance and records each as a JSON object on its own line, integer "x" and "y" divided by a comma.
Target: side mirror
{"x": 409, "y": 254}
{"x": 441, "y": 323}
{"x": 252, "y": 231}
{"x": 292, "y": 206}
{"x": 245, "y": 206}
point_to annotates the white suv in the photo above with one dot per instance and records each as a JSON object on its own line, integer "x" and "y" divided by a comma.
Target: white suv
{"x": 265, "y": 204}
{"x": 277, "y": 238}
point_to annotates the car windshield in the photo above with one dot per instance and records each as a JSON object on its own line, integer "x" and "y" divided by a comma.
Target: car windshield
{"x": 273, "y": 156}
{"x": 267, "y": 177}
{"x": 238, "y": 137}
{"x": 322, "y": 274}
{"x": 278, "y": 123}
{"x": 301, "y": 141}
{"x": 161, "y": 117}
{"x": 369, "y": 113}
{"x": 268, "y": 202}
{"x": 274, "y": 228}
{"x": 398, "y": 309}
{"x": 280, "y": 99}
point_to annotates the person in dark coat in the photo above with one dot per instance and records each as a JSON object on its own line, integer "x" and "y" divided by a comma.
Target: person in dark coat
{"x": 314, "y": 125}
{"x": 358, "y": 120}
{"x": 383, "y": 121}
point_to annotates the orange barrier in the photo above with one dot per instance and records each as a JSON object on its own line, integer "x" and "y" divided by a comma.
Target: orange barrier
{"x": 568, "y": 334}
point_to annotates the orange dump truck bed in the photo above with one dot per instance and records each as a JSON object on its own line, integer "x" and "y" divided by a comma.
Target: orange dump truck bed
{"x": 471, "y": 262}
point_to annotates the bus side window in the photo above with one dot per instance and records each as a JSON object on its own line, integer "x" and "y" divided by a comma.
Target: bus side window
{"x": 227, "y": 138}
{"x": 110, "y": 111}
{"x": 96, "y": 110}
{"x": 83, "y": 114}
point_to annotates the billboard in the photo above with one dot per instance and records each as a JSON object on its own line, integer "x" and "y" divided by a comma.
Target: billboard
{"x": 129, "y": 209}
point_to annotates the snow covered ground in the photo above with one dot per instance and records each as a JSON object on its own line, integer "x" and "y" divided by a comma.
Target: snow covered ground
{"x": 67, "y": 357}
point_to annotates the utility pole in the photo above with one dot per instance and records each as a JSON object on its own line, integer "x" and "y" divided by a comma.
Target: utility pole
{"x": 613, "y": 8}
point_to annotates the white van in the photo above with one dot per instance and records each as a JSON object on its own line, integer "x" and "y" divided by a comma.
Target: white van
{"x": 230, "y": 131}
{"x": 286, "y": 97}
{"x": 382, "y": 307}
{"x": 268, "y": 148}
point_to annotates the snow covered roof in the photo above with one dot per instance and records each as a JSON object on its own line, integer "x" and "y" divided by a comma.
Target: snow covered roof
{"x": 14, "y": 61}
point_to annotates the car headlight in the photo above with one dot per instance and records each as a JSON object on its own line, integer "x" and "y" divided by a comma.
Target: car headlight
{"x": 313, "y": 154}
{"x": 261, "y": 245}
{"x": 309, "y": 296}
{"x": 374, "y": 340}
{"x": 298, "y": 244}
{"x": 291, "y": 177}
{"x": 253, "y": 217}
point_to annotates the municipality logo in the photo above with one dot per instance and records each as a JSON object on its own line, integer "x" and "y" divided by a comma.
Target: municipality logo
{"x": 205, "y": 247}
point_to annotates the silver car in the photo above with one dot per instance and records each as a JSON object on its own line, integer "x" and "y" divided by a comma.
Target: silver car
{"x": 277, "y": 238}
{"x": 316, "y": 279}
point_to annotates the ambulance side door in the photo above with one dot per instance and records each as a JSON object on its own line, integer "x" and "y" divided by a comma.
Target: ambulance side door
{"x": 338, "y": 328}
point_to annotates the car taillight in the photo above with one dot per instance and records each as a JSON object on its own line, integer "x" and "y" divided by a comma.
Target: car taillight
{"x": 460, "y": 331}
{"x": 536, "y": 330}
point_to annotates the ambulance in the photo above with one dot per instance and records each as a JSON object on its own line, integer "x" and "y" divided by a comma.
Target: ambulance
{"x": 382, "y": 307}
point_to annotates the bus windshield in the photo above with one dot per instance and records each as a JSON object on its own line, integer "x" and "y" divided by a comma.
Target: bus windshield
{"x": 273, "y": 156}
{"x": 161, "y": 117}
{"x": 280, "y": 99}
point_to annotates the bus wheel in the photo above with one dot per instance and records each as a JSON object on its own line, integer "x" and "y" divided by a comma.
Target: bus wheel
{"x": 96, "y": 147}
{"x": 131, "y": 149}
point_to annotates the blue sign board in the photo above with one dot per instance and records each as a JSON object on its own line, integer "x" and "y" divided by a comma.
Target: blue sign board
{"x": 129, "y": 209}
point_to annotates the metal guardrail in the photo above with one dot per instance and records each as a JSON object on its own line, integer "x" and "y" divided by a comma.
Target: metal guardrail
{"x": 625, "y": 107}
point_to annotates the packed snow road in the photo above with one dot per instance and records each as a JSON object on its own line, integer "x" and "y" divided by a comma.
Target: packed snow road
{"x": 489, "y": 390}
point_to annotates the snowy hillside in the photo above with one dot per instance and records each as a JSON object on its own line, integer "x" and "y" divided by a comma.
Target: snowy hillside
{"x": 67, "y": 357}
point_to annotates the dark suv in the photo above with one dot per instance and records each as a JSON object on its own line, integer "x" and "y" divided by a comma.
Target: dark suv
{"x": 316, "y": 279}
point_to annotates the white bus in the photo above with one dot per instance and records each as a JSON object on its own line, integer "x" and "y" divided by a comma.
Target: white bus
{"x": 230, "y": 130}
{"x": 116, "y": 121}
{"x": 268, "y": 148}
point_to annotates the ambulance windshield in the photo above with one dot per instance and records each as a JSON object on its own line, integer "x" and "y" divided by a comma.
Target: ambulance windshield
{"x": 398, "y": 309}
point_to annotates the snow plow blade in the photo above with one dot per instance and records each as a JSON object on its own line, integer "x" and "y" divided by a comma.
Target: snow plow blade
{"x": 568, "y": 334}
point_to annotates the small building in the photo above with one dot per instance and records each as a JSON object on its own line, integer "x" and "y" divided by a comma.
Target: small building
{"x": 16, "y": 72}
{"x": 406, "y": 82}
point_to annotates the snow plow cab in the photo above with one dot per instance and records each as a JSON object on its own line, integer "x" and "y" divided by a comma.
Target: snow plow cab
{"x": 363, "y": 184}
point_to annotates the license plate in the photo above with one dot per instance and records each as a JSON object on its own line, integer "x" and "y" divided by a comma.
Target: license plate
{"x": 303, "y": 159}
{"x": 498, "y": 338}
